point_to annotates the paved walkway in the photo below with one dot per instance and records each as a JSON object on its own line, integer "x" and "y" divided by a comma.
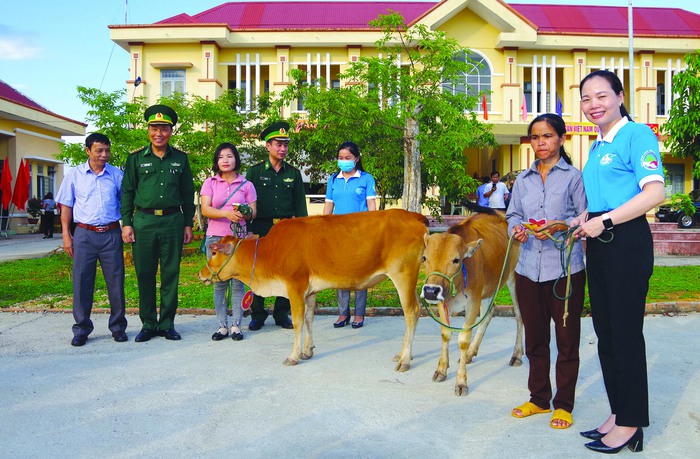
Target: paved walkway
{"x": 200, "y": 398}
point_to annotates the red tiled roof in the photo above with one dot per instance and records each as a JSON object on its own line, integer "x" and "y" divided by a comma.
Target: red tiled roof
{"x": 610, "y": 20}
{"x": 7, "y": 92}
{"x": 349, "y": 15}
{"x": 301, "y": 15}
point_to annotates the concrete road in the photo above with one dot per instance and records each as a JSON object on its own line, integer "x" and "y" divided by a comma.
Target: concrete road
{"x": 200, "y": 398}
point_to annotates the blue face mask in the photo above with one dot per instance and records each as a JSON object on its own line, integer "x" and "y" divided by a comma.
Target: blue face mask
{"x": 346, "y": 165}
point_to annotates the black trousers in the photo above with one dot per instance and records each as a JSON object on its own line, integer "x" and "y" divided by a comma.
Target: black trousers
{"x": 618, "y": 281}
{"x": 280, "y": 312}
{"x": 47, "y": 223}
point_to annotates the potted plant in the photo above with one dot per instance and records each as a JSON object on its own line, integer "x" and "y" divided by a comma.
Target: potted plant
{"x": 33, "y": 209}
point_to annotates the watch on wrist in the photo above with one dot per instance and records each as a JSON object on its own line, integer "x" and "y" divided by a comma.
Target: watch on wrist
{"x": 607, "y": 221}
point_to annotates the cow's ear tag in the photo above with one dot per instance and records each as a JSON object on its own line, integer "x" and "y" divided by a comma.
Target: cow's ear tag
{"x": 247, "y": 300}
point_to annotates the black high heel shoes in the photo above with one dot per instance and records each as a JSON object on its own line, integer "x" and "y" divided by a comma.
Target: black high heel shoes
{"x": 593, "y": 434}
{"x": 342, "y": 323}
{"x": 635, "y": 444}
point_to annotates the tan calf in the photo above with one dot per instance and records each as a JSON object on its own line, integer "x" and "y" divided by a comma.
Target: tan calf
{"x": 302, "y": 256}
{"x": 476, "y": 246}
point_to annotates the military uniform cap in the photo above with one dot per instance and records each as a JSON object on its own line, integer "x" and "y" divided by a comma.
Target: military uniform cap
{"x": 278, "y": 130}
{"x": 160, "y": 114}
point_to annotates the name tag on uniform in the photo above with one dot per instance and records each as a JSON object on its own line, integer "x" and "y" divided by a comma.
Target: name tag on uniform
{"x": 265, "y": 179}
{"x": 145, "y": 164}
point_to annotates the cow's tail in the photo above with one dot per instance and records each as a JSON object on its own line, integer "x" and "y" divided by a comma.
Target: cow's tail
{"x": 479, "y": 209}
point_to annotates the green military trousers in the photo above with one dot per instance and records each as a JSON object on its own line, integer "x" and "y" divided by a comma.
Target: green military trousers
{"x": 159, "y": 240}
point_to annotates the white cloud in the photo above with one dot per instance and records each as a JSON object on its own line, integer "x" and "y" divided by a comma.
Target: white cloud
{"x": 16, "y": 45}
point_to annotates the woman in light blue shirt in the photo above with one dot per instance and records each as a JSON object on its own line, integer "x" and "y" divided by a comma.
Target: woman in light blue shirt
{"x": 350, "y": 190}
{"x": 552, "y": 190}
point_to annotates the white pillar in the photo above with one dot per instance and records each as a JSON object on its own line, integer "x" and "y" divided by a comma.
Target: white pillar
{"x": 238, "y": 73}
{"x": 308, "y": 69}
{"x": 247, "y": 82}
{"x": 668, "y": 83}
{"x": 543, "y": 93}
{"x": 328, "y": 70}
{"x": 257, "y": 74}
{"x": 318, "y": 69}
{"x": 553, "y": 86}
{"x": 533, "y": 109}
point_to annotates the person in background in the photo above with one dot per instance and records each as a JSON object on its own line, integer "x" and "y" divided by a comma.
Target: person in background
{"x": 90, "y": 198}
{"x": 496, "y": 192}
{"x": 482, "y": 200}
{"x": 624, "y": 179}
{"x": 550, "y": 189}
{"x": 49, "y": 205}
{"x": 222, "y": 195}
{"x": 350, "y": 190}
{"x": 281, "y": 194}
{"x": 157, "y": 213}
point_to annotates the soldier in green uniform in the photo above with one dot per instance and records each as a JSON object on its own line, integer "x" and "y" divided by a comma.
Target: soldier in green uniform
{"x": 281, "y": 195}
{"x": 157, "y": 210}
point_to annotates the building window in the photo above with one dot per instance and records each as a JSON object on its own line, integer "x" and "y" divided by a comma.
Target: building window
{"x": 172, "y": 81}
{"x": 528, "y": 94}
{"x": 675, "y": 179}
{"x": 660, "y": 99}
{"x": 475, "y": 81}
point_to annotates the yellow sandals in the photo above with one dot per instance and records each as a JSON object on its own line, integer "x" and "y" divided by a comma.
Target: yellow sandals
{"x": 561, "y": 415}
{"x": 528, "y": 409}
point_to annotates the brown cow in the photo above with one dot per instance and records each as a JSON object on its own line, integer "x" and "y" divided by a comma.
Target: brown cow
{"x": 302, "y": 256}
{"x": 448, "y": 254}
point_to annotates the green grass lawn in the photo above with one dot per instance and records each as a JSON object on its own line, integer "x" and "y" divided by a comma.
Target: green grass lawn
{"x": 46, "y": 283}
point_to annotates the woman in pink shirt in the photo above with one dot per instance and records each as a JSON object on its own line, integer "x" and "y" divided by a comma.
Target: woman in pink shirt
{"x": 221, "y": 196}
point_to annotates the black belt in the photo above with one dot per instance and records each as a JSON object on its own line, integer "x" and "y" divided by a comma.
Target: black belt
{"x": 100, "y": 228}
{"x": 160, "y": 212}
{"x": 597, "y": 214}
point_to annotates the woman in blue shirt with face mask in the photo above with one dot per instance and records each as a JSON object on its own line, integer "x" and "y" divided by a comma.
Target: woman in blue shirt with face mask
{"x": 350, "y": 190}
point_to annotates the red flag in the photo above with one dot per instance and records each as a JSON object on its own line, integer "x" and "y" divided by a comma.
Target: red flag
{"x": 484, "y": 107}
{"x": 21, "y": 193}
{"x": 523, "y": 107}
{"x": 6, "y": 184}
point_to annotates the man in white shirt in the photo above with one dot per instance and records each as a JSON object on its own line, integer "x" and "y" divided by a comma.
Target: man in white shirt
{"x": 497, "y": 192}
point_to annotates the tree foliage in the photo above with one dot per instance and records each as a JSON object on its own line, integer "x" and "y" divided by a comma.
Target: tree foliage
{"x": 683, "y": 125}
{"x": 202, "y": 125}
{"x": 412, "y": 133}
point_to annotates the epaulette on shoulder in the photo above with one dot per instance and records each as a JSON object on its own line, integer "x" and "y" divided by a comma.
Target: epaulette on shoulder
{"x": 138, "y": 151}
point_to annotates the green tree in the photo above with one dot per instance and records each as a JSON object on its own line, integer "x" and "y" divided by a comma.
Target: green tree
{"x": 202, "y": 125}
{"x": 412, "y": 132}
{"x": 683, "y": 125}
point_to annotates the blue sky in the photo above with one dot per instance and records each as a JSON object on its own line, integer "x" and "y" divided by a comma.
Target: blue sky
{"x": 49, "y": 47}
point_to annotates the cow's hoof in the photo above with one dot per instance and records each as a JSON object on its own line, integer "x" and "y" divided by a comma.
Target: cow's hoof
{"x": 403, "y": 367}
{"x": 469, "y": 358}
{"x": 307, "y": 355}
{"x": 515, "y": 362}
{"x": 439, "y": 377}
{"x": 290, "y": 362}
{"x": 460, "y": 390}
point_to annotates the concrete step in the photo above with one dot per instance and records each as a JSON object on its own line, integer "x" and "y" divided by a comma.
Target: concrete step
{"x": 686, "y": 248}
{"x": 678, "y": 235}
{"x": 671, "y": 240}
